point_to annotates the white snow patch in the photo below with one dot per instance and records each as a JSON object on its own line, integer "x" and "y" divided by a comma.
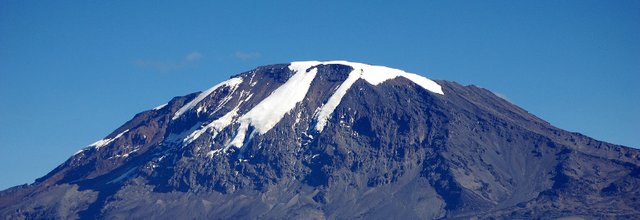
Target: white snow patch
{"x": 106, "y": 141}
{"x": 127, "y": 154}
{"x": 233, "y": 82}
{"x": 201, "y": 109}
{"x": 297, "y": 119}
{"x": 160, "y": 106}
{"x": 79, "y": 151}
{"x": 179, "y": 138}
{"x": 212, "y": 153}
{"x": 216, "y": 125}
{"x": 238, "y": 140}
{"x": 220, "y": 123}
{"x": 272, "y": 109}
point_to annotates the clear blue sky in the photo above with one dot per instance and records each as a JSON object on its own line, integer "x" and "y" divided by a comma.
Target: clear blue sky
{"x": 70, "y": 73}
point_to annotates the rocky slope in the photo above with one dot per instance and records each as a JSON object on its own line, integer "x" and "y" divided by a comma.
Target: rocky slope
{"x": 336, "y": 140}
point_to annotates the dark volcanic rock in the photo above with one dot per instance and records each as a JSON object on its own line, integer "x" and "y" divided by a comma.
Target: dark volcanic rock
{"x": 391, "y": 150}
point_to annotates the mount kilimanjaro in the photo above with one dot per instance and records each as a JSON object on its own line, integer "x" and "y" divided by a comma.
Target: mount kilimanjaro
{"x": 336, "y": 140}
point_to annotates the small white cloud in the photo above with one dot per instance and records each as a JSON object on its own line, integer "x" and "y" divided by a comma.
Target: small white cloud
{"x": 241, "y": 55}
{"x": 193, "y": 56}
{"x": 170, "y": 66}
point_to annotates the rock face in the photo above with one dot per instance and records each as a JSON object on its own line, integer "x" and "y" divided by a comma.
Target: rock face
{"x": 316, "y": 140}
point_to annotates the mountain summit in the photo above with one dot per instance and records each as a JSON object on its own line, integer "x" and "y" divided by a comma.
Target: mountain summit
{"x": 337, "y": 139}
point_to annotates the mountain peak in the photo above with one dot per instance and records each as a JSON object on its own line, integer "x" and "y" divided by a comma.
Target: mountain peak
{"x": 370, "y": 73}
{"x": 268, "y": 112}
